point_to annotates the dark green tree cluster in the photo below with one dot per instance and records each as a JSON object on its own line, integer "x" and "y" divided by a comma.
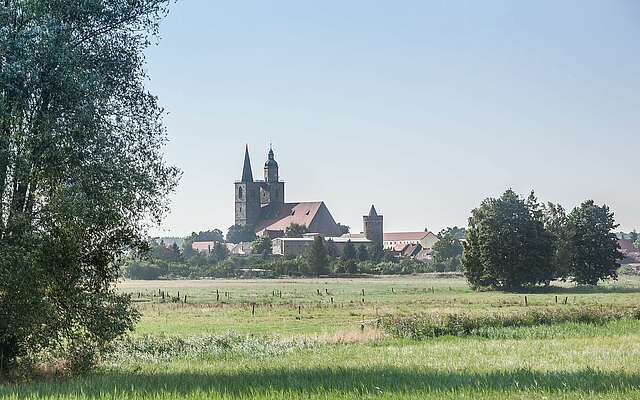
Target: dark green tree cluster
{"x": 295, "y": 231}
{"x": 513, "y": 242}
{"x": 262, "y": 246}
{"x": 239, "y": 233}
{"x": 447, "y": 251}
{"x": 81, "y": 170}
{"x": 317, "y": 257}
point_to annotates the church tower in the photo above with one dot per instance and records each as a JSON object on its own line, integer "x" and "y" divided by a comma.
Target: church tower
{"x": 272, "y": 189}
{"x": 247, "y": 195}
{"x": 373, "y": 226}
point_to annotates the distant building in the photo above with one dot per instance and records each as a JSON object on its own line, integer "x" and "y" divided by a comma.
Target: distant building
{"x": 297, "y": 246}
{"x": 203, "y": 246}
{"x": 261, "y": 205}
{"x": 373, "y": 226}
{"x": 394, "y": 240}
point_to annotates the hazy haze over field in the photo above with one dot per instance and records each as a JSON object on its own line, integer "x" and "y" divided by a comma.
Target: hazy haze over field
{"x": 423, "y": 108}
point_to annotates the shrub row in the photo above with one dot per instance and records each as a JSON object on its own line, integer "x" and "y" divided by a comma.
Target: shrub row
{"x": 164, "y": 348}
{"x": 420, "y": 326}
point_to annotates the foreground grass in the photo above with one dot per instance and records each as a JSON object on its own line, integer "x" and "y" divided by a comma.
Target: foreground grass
{"x": 320, "y": 350}
{"x": 604, "y": 366}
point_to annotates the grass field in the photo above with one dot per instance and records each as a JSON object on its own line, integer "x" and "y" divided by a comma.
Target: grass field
{"x": 317, "y": 338}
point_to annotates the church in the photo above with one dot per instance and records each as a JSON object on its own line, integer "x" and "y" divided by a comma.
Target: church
{"x": 261, "y": 204}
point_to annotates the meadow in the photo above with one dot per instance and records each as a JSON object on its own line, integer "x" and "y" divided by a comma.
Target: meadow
{"x": 321, "y": 338}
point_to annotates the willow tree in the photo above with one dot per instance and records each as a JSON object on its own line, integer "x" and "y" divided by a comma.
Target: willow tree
{"x": 81, "y": 170}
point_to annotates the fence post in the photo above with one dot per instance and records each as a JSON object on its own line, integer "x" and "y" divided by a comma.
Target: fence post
{"x": 526, "y": 303}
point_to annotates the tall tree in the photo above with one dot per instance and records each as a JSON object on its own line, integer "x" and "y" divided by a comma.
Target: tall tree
{"x": 349, "y": 257}
{"x": 317, "y": 257}
{"x": 363, "y": 253}
{"x": 556, "y": 223}
{"x": 262, "y": 245}
{"x": 634, "y": 236}
{"x": 239, "y": 233}
{"x": 214, "y": 235}
{"x": 81, "y": 169}
{"x": 447, "y": 252}
{"x": 332, "y": 249}
{"x": 594, "y": 246}
{"x": 344, "y": 229}
{"x": 507, "y": 245}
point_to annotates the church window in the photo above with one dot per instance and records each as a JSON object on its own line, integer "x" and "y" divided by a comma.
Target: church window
{"x": 240, "y": 193}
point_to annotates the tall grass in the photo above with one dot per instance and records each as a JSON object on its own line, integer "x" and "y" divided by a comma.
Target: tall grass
{"x": 419, "y": 326}
{"x": 166, "y": 348}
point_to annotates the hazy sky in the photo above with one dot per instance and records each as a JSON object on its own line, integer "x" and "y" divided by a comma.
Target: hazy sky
{"x": 421, "y": 108}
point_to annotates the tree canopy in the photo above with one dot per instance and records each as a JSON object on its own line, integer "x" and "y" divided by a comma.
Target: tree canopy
{"x": 295, "y": 231}
{"x": 507, "y": 245}
{"x": 593, "y": 245}
{"x": 81, "y": 170}
{"x": 239, "y": 233}
{"x": 317, "y": 257}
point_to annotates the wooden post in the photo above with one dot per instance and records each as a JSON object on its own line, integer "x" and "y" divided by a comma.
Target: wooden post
{"x": 299, "y": 310}
{"x": 332, "y": 300}
{"x": 392, "y": 290}
{"x": 362, "y": 292}
{"x": 556, "y": 299}
{"x": 185, "y": 299}
{"x": 318, "y": 292}
{"x": 565, "y": 300}
{"x": 253, "y": 309}
{"x": 525, "y": 301}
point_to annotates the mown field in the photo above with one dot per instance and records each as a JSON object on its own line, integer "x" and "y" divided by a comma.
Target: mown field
{"x": 319, "y": 338}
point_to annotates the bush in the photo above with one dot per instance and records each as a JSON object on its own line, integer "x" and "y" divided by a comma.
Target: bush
{"x": 422, "y": 326}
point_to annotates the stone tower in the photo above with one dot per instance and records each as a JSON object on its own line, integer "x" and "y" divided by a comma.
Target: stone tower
{"x": 373, "y": 226}
{"x": 247, "y": 195}
{"x": 272, "y": 189}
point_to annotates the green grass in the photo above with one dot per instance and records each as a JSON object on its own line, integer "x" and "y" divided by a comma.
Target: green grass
{"x": 268, "y": 359}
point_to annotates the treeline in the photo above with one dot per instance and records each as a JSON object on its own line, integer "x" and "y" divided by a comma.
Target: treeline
{"x": 513, "y": 242}
{"x": 167, "y": 262}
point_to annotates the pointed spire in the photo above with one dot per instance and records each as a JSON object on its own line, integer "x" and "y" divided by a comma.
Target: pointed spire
{"x": 372, "y": 212}
{"x": 247, "y": 175}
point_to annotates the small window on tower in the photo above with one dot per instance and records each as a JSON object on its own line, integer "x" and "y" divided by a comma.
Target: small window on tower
{"x": 240, "y": 193}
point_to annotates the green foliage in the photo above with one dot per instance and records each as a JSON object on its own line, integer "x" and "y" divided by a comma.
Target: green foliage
{"x": 455, "y": 232}
{"x": 344, "y": 229}
{"x": 633, "y": 236}
{"x": 556, "y": 223}
{"x": 295, "y": 231}
{"x": 81, "y": 169}
{"x": 261, "y": 245}
{"x": 332, "y": 249}
{"x": 349, "y": 252}
{"x": 214, "y": 235}
{"x": 239, "y": 233}
{"x": 363, "y": 253}
{"x": 317, "y": 257}
{"x": 447, "y": 252}
{"x": 219, "y": 252}
{"x": 593, "y": 245}
{"x": 430, "y": 325}
{"x": 377, "y": 253}
{"x": 507, "y": 245}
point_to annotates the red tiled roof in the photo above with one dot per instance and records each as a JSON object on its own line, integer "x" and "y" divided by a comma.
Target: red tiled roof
{"x": 202, "y": 246}
{"x": 290, "y": 213}
{"x": 395, "y": 236}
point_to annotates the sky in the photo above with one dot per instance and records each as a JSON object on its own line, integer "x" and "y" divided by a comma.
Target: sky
{"x": 422, "y": 108}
